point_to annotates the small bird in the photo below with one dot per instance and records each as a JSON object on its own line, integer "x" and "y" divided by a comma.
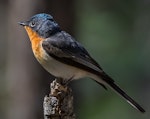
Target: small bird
{"x": 63, "y": 57}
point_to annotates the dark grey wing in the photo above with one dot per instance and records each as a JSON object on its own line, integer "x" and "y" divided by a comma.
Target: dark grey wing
{"x": 64, "y": 48}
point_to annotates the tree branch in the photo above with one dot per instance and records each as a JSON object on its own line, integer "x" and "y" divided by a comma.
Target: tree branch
{"x": 59, "y": 103}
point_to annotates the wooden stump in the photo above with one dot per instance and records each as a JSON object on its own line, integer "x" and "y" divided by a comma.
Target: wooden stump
{"x": 59, "y": 103}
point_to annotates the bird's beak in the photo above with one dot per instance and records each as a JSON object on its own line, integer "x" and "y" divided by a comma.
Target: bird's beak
{"x": 23, "y": 23}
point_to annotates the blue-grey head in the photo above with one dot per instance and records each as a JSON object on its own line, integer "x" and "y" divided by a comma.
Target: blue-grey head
{"x": 43, "y": 24}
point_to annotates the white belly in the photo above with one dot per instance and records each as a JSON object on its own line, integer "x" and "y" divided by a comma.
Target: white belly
{"x": 62, "y": 70}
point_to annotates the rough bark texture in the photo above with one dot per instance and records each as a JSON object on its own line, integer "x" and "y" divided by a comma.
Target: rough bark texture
{"x": 59, "y": 103}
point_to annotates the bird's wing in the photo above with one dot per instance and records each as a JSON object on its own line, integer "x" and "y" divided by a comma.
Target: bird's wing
{"x": 64, "y": 48}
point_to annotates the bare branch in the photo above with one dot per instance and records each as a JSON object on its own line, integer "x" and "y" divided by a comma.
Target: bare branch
{"x": 59, "y": 103}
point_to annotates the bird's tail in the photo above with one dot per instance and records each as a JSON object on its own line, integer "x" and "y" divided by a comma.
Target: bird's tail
{"x": 126, "y": 97}
{"x": 107, "y": 80}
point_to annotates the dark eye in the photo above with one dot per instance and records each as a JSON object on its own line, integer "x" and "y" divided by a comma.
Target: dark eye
{"x": 32, "y": 24}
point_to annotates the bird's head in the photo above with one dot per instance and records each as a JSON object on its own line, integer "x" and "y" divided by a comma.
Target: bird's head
{"x": 42, "y": 24}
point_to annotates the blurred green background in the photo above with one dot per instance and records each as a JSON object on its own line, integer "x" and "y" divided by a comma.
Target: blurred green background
{"x": 116, "y": 33}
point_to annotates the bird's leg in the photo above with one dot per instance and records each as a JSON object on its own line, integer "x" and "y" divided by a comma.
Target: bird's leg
{"x": 67, "y": 81}
{"x": 64, "y": 82}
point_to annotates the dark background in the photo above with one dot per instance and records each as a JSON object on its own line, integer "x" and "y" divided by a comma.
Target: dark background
{"x": 117, "y": 35}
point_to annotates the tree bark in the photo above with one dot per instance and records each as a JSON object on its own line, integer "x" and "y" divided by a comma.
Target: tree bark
{"x": 59, "y": 103}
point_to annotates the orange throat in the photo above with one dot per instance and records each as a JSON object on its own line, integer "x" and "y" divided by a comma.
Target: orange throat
{"x": 35, "y": 42}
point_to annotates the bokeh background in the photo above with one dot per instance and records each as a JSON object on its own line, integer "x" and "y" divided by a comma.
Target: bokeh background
{"x": 117, "y": 35}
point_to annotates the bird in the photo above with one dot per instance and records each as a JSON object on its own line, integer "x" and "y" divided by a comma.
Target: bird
{"x": 64, "y": 57}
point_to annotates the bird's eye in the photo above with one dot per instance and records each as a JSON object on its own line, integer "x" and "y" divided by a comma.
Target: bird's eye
{"x": 32, "y": 24}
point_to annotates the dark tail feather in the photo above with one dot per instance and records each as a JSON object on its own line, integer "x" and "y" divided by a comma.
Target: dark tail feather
{"x": 126, "y": 97}
{"x": 117, "y": 89}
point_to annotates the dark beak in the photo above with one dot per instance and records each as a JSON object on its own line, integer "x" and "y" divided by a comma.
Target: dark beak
{"x": 23, "y": 23}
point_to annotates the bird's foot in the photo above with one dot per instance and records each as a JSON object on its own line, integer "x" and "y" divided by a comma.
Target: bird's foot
{"x": 64, "y": 82}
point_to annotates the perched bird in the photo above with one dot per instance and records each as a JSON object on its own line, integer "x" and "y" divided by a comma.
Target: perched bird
{"x": 63, "y": 57}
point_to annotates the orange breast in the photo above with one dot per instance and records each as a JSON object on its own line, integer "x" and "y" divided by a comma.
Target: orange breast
{"x": 36, "y": 43}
